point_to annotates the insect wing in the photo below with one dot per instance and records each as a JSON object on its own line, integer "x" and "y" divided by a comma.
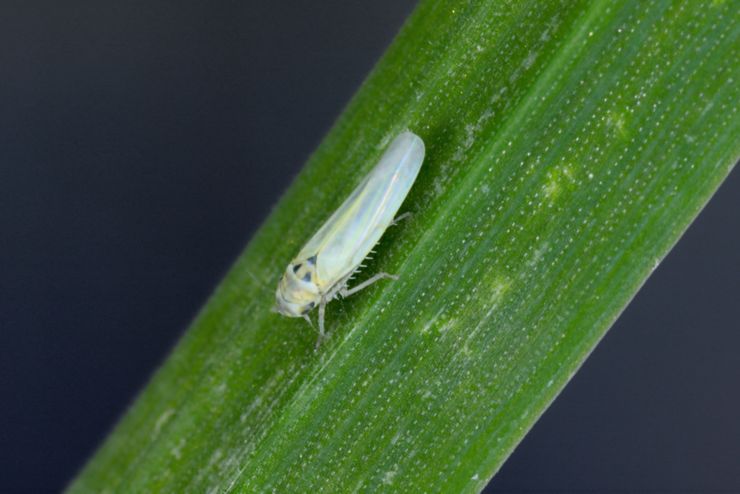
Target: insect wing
{"x": 351, "y": 232}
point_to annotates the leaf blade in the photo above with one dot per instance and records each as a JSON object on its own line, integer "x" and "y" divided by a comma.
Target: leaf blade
{"x": 552, "y": 187}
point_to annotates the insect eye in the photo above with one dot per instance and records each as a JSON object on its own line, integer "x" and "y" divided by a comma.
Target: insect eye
{"x": 296, "y": 268}
{"x": 312, "y": 260}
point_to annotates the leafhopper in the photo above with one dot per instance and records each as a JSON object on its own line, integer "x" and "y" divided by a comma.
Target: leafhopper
{"x": 322, "y": 269}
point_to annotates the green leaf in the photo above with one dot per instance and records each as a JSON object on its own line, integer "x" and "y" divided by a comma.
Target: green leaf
{"x": 569, "y": 144}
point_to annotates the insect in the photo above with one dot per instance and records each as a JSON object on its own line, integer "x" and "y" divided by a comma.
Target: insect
{"x": 322, "y": 269}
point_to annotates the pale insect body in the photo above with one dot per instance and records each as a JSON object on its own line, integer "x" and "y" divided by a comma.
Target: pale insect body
{"x": 321, "y": 270}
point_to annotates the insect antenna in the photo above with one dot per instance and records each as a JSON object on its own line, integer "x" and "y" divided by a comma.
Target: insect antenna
{"x": 264, "y": 287}
{"x": 254, "y": 277}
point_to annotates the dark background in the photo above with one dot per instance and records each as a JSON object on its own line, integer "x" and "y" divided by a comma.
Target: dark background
{"x": 141, "y": 144}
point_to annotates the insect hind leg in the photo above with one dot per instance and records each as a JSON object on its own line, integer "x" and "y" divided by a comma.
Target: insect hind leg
{"x": 400, "y": 218}
{"x": 346, "y": 292}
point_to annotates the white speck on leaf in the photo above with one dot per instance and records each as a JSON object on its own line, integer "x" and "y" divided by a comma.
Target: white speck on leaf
{"x": 388, "y": 476}
{"x": 162, "y": 420}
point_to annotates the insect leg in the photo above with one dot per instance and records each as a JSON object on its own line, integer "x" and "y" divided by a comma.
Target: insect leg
{"x": 322, "y": 333}
{"x": 400, "y": 218}
{"x": 346, "y": 292}
{"x": 307, "y": 319}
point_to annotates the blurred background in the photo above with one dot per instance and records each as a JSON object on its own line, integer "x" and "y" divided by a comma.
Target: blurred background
{"x": 141, "y": 145}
